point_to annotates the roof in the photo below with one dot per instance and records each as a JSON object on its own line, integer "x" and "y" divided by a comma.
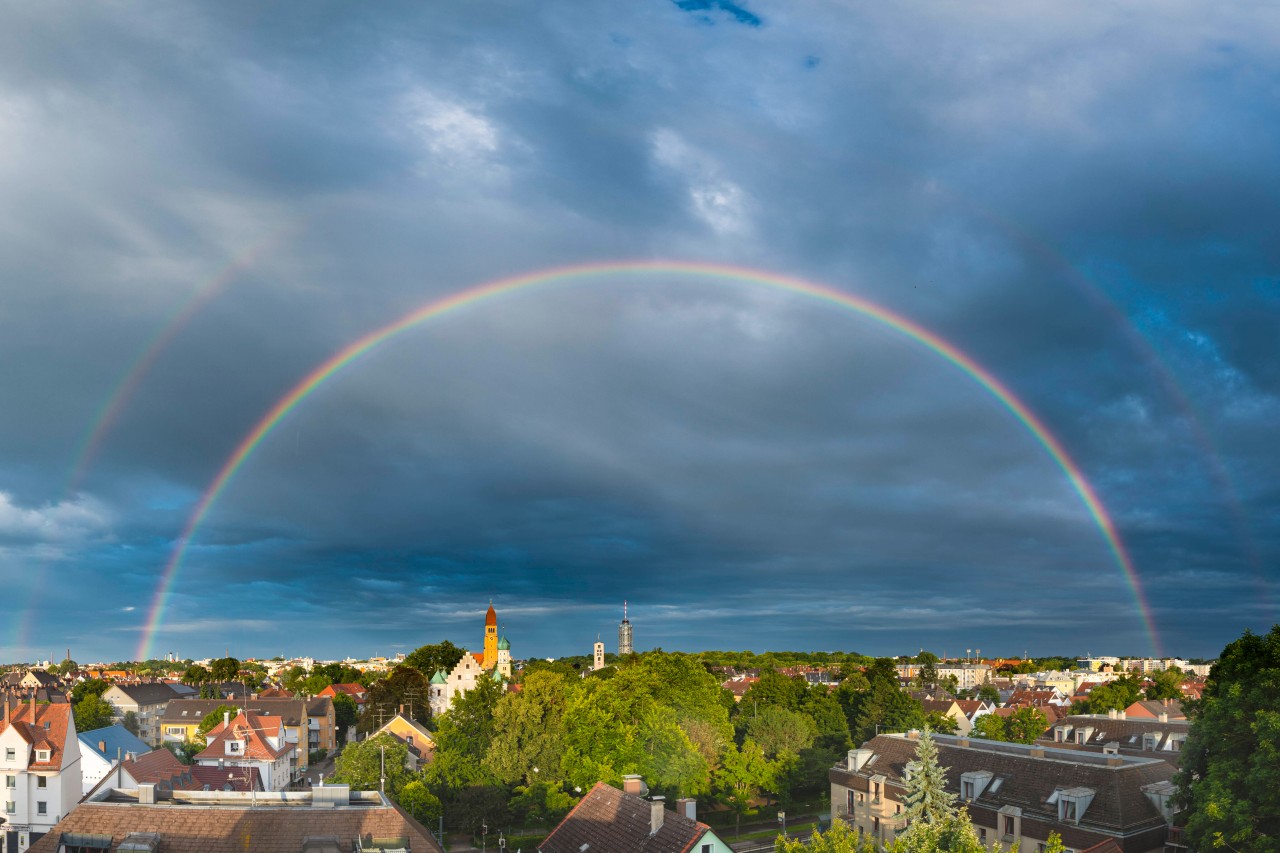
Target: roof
{"x": 504, "y": 645}
{"x": 47, "y": 731}
{"x": 1120, "y": 806}
{"x": 607, "y": 819}
{"x": 491, "y": 617}
{"x": 355, "y": 691}
{"x": 254, "y": 730}
{"x": 226, "y": 778}
{"x": 187, "y": 828}
{"x": 113, "y": 741}
{"x": 188, "y": 711}
{"x": 439, "y": 677}
{"x": 147, "y": 694}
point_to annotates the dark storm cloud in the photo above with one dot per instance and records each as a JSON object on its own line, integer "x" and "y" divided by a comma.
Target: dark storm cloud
{"x": 1079, "y": 201}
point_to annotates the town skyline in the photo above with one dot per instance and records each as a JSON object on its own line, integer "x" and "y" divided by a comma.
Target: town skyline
{"x": 795, "y": 327}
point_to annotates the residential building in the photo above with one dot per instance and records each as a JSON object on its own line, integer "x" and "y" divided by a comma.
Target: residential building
{"x": 182, "y": 719}
{"x": 322, "y": 729}
{"x": 254, "y": 741}
{"x": 421, "y": 743}
{"x": 358, "y": 693}
{"x": 1014, "y": 793}
{"x": 607, "y": 819}
{"x": 1156, "y": 709}
{"x": 1114, "y": 733}
{"x": 40, "y": 766}
{"x": 146, "y": 701}
{"x": 102, "y": 749}
{"x": 331, "y": 819}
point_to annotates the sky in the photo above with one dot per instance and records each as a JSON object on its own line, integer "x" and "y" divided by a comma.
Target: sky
{"x": 201, "y": 204}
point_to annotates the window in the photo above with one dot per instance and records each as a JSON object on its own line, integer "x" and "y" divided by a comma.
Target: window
{"x": 1008, "y": 826}
{"x": 42, "y": 755}
{"x": 10, "y": 807}
{"x": 706, "y": 848}
{"x": 966, "y": 790}
{"x": 42, "y": 781}
{"x": 982, "y": 834}
{"x": 11, "y": 781}
{"x": 9, "y": 753}
{"x": 42, "y": 807}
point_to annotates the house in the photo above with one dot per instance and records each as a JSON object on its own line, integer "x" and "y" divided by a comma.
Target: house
{"x": 40, "y": 762}
{"x": 161, "y": 768}
{"x": 421, "y": 743}
{"x": 146, "y": 701}
{"x": 34, "y": 678}
{"x": 1115, "y": 733}
{"x": 444, "y": 686}
{"x": 182, "y": 718}
{"x": 322, "y": 729}
{"x": 607, "y": 819}
{"x": 1156, "y": 709}
{"x": 358, "y": 693}
{"x": 102, "y": 749}
{"x": 332, "y": 819}
{"x": 739, "y": 687}
{"x": 251, "y": 740}
{"x": 1013, "y": 792}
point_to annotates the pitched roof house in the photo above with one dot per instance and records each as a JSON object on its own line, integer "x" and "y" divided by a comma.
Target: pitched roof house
{"x": 40, "y": 763}
{"x": 102, "y": 749}
{"x": 251, "y": 740}
{"x": 332, "y": 819}
{"x": 608, "y": 820}
{"x": 1014, "y": 792}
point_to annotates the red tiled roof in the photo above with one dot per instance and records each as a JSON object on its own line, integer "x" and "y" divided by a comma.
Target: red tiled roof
{"x": 48, "y": 730}
{"x": 253, "y": 730}
{"x": 607, "y": 819}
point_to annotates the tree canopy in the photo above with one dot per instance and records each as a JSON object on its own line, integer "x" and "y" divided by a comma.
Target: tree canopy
{"x": 1230, "y": 766}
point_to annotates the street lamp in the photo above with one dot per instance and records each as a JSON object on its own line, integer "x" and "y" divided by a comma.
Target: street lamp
{"x": 502, "y": 842}
{"x": 782, "y": 819}
{"x": 484, "y": 836}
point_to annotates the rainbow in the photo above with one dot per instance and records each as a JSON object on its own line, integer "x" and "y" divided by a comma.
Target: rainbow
{"x": 502, "y": 287}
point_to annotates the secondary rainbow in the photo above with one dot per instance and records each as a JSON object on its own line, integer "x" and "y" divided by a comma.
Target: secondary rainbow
{"x": 715, "y": 272}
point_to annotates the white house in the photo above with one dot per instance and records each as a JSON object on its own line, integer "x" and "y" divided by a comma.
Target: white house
{"x": 251, "y": 740}
{"x": 40, "y": 766}
{"x": 102, "y": 749}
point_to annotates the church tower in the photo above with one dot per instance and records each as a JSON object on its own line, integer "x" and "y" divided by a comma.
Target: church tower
{"x": 503, "y": 667}
{"x": 624, "y": 633}
{"x": 490, "y": 639}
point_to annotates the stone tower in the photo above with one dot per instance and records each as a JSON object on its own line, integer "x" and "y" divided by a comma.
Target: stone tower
{"x": 598, "y": 656}
{"x": 624, "y": 633}
{"x": 490, "y": 639}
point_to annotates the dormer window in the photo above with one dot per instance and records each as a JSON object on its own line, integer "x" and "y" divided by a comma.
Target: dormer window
{"x": 1151, "y": 740}
{"x": 973, "y": 783}
{"x": 1073, "y": 803}
{"x": 42, "y": 755}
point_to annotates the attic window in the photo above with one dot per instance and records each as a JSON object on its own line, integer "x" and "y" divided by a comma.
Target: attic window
{"x": 995, "y": 784}
{"x": 42, "y": 755}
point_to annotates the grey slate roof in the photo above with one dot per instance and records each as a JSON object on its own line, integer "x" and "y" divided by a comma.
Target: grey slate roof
{"x": 147, "y": 694}
{"x": 292, "y": 712}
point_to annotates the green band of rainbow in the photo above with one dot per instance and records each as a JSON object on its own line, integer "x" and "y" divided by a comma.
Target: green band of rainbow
{"x": 502, "y": 287}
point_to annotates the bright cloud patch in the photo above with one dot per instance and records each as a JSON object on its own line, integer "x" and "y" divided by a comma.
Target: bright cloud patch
{"x": 68, "y": 520}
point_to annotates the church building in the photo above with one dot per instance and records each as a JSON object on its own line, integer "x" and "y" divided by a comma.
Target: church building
{"x": 494, "y": 662}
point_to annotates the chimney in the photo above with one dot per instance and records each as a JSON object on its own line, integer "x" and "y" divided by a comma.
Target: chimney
{"x": 1111, "y": 715}
{"x": 1162, "y": 717}
{"x": 962, "y": 741}
{"x": 226, "y": 718}
{"x": 1114, "y": 761}
{"x": 33, "y": 706}
{"x": 102, "y": 747}
{"x": 913, "y": 734}
{"x": 656, "y": 813}
{"x": 634, "y": 784}
{"x": 6, "y": 705}
{"x": 146, "y": 793}
{"x": 1120, "y": 715}
{"x": 687, "y": 807}
{"x": 1036, "y": 752}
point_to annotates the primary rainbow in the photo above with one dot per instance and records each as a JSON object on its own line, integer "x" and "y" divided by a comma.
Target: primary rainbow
{"x": 501, "y": 287}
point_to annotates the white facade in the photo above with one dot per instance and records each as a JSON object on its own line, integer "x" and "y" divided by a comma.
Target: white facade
{"x": 463, "y": 677}
{"x": 36, "y": 799}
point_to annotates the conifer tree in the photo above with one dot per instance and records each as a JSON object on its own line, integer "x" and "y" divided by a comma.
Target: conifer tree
{"x": 927, "y": 798}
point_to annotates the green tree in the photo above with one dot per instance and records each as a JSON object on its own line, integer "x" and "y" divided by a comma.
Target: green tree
{"x": 345, "y": 713}
{"x": 544, "y": 803}
{"x": 882, "y": 706}
{"x": 1114, "y": 695}
{"x": 130, "y": 722}
{"x": 196, "y": 674}
{"x": 927, "y": 799}
{"x": 224, "y": 669}
{"x": 428, "y": 659}
{"x": 777, "y": 730}
{"x": 92, "y": 687}
{"x": 1025, "y": 725}
{"x": 1230, "y": 766}
{"x": 528, "y": 742}
{"x": 92, "y": 712}
{"x": 405, "y": 686}
{"x": 215, "y": 717}
{"x": 419, "y": 802}
{"x": 738, "y": 780}
{"x": 464, "y": 734}
{"x": 990, "y": 727}
{"x": 1166, "y": 684}
{"x": 940, "y": 723}
{"x": 362, "y": 765}
{"x": 838, "y": 839}
{"x": 773, "y": 688}
{"x": 928, "y": 669}
{"x": 67, "y": 667}
{"x": 988, "y": 693}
